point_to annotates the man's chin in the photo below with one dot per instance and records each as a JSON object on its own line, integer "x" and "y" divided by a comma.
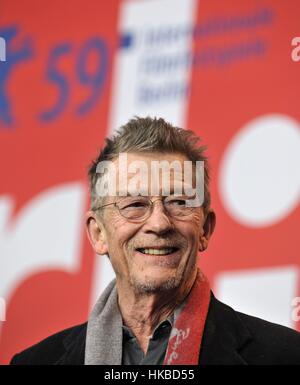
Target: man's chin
{"x": 154, "y": 285}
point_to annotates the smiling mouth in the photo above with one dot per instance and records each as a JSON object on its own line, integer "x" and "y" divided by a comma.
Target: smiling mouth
{"x": 156, "y": 251}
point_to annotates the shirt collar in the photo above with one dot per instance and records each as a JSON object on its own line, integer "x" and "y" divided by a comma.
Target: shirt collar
{"x": 164, "y": 326}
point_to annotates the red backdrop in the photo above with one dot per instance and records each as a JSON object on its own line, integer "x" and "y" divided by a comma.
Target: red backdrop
{"x": 58, "y": 92}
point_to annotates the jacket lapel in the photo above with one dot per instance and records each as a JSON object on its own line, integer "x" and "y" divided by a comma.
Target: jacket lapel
{"x": 224, "y": 336}
{"x": 74, "y": 345}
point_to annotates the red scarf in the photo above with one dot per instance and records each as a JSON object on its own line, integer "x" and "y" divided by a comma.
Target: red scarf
{"x": 186, "y": 335}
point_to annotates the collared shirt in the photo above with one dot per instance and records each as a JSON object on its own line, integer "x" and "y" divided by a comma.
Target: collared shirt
{"x": 158, "y": 343}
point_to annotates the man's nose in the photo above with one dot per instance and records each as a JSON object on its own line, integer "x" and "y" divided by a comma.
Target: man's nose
{"x": 159, "y": 220}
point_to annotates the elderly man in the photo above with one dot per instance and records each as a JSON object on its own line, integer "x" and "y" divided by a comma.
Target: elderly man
{"x": 152, "y": 227}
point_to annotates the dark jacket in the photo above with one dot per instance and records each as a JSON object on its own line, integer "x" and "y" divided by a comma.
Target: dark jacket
{"x": 229, "y": 338}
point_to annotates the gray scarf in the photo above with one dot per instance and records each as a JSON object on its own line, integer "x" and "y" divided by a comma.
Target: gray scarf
{"x": 104, "y": 339}
{"x": 104, "y": 331}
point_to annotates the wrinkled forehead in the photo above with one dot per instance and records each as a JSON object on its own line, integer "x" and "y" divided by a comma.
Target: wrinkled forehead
{"x": 147, "y": 174}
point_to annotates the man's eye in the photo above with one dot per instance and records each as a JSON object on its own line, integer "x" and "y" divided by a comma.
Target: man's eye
{"x": 135, "y": 205}
{"x": 177, "y": 202}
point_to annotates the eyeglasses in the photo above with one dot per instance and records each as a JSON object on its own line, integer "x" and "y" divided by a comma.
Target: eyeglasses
{"x": 140, "y": 208}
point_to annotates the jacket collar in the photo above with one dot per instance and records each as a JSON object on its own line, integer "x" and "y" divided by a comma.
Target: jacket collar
{"x": 224, "y": 337}
{"x": 74, "y": 345}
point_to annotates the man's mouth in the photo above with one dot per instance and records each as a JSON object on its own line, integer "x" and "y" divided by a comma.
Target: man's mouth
{"x": 157, "y": 251}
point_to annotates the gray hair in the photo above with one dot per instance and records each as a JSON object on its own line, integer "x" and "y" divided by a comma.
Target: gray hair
{"x": 151, "y": 135}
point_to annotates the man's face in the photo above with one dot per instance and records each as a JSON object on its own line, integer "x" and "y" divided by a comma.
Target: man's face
{"x": 158, "y": 253}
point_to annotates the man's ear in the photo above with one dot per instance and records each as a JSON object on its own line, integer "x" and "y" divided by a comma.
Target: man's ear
{"x": 96, "y": 233}
{"x": 208, "y": 229}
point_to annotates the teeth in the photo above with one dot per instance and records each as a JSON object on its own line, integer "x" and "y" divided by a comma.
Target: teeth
{"x": 157, "y": 251}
